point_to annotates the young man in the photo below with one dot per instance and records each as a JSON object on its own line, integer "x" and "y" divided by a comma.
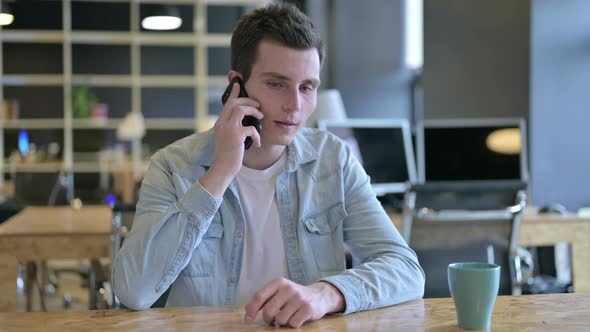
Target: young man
{"x": 265, "y": 226}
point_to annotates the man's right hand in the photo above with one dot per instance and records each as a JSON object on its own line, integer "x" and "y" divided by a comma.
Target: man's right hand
{"x": 229, "y": 141}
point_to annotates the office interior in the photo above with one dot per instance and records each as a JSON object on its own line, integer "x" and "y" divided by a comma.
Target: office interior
{"x": 483, "y": 103}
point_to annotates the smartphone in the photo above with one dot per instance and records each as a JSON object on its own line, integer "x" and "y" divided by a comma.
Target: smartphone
{"x": 247, "y": 120}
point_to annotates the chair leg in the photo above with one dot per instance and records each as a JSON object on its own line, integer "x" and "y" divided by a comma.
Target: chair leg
{"x": 41, "y": 285}
{"x": 31, "y": 275}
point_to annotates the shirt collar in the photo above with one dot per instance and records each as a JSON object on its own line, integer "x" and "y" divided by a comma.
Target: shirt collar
{"x": 300, "y": 151}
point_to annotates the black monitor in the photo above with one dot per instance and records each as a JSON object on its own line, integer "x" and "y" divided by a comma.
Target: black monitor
{"x": 466, "y": 149}
{"x": 384, "y": 148}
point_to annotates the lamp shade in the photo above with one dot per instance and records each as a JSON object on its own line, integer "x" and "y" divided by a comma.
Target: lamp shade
{"x": 132, "y": 127}
{"x": 162, "y": 17}
{"x": 6, "y": 14}
{"x": 329, "y": 106}
{"x": 505, "y": 141}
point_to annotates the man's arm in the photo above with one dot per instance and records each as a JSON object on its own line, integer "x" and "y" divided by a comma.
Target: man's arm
{"x": 166, "y": 229}
{"x": 389, "y": 273}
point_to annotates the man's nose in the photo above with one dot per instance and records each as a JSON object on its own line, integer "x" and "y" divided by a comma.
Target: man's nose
{"x": 293, "y": 102}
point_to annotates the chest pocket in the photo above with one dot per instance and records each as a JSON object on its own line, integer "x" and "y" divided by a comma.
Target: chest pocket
{"x": 324, "y": 237}
{"x": 207, "y": 253}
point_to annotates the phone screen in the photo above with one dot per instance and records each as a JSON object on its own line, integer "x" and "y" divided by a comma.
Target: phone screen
{"x": 247, "y": 120}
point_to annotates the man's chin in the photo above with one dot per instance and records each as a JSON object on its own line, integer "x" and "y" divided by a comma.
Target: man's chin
{"x": 280, "y": 141}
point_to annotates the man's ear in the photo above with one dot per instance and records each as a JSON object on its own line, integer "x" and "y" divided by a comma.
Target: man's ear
{"x": 231, "y": 74}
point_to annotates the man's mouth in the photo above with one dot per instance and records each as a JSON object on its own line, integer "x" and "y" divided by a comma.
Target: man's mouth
{"x": 287, "y": 123}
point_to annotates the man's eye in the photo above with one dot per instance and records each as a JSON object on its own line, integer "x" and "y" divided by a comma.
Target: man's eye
{"x": 274, "y": 84}
{"x": 306, "y": 88}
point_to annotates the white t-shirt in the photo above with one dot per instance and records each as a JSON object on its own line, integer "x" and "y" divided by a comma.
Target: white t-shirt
{"x": 264, "y": 253}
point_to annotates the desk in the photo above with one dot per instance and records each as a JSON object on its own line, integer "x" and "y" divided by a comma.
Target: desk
{"x": 43, "y": 233}
{"x": 549, "y": 229}
{"x": 555, "y": 312}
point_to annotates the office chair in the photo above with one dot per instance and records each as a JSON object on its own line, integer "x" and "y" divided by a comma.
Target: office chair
{"x": 447, "y": 222}
{"x": 123, "y": 215}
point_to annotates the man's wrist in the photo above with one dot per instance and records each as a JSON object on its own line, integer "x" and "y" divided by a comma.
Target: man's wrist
{"x": 334, "y": 299}
{"x": 215, "y": 181}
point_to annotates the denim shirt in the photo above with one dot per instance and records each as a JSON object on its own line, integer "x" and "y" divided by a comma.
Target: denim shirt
{"x": 187, "y": 239}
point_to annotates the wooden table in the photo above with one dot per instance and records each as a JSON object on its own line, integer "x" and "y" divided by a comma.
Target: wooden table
{"x": 42, "y": 233}
{"x": 555, "y": 312}
{"x": 548, "y": 230}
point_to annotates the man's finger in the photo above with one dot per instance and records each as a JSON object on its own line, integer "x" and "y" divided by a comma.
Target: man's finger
{"x": 275, "y": 303}
{"x": 287, "y": 311}
{"x": 259, "y": 299}
{"x": 252, "y": 133}
{"x": 301, "y": 316}
{"x": 233, "y": 94}
{"x": 238, "y": 113}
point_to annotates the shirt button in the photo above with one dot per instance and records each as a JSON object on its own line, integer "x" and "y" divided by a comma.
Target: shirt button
{"x": 232, "y": 280}
{"x": 239, "y": 235}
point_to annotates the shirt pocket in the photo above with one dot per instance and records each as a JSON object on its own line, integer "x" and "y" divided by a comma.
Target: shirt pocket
{"x": 205, "y": 255}
{"x": 323, "y": 235}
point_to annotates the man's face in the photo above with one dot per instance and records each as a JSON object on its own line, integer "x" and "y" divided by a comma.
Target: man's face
{"x": 284, "y": 81}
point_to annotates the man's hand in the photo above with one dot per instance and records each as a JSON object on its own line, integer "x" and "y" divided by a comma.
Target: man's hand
{"x": 287, "y": 303}
{"x": 229, "y": 141}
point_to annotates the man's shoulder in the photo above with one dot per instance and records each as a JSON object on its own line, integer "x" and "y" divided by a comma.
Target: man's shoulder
{"x": 187, "y": 151}
{"x": 321, "y": 140}
{"x": 329, "y": 148}
{"x": 319, "y": 137}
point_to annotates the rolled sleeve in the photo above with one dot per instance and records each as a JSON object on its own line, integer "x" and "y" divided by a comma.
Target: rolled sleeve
{"x": 199, "y": 205}
{"x": 355, "y": 297}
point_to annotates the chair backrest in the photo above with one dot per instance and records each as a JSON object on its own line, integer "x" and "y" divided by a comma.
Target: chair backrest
{"x": 39, "y": 188}
{"x": 464, "y": 221}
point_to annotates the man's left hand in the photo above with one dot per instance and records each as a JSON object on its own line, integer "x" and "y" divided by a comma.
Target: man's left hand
{"x": 287, "y": 303}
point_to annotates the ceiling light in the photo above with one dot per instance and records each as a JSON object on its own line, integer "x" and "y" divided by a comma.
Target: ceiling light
{"x": 6, "y": 16}
{"x": 163, "y": 17}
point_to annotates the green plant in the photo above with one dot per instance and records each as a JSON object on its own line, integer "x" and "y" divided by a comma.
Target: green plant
{"x": 82, "y": 101}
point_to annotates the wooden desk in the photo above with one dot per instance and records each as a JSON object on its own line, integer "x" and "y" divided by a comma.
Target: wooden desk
{"x": 42, "y": 233}
{"x": 555, "y": 312}
{"x": 549, "y": 229}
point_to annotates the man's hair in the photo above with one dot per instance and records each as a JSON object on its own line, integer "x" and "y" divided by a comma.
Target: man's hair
{"x": 281, "y": 23}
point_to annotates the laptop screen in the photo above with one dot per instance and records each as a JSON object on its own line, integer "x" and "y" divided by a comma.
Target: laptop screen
{"x": 383, "y": 148}
{"x": 467, "y": 151}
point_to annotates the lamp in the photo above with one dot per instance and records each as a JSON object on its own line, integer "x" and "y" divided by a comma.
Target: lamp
{"x": 163, "y": 17}
{"x": 505, "y": 141}
{"x": 329, "y": 106}
{"x": 132, "y": 127}
{"x": 6, "y": 16}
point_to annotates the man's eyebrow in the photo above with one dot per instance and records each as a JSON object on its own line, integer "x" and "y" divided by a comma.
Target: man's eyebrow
{"x": 313, "y": 81}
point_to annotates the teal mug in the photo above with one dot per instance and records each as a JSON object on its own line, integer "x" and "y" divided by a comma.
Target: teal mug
{"x": 474, "y": 287}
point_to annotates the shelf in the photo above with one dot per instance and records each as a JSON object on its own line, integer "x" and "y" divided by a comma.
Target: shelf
{"x": 167, "y": 81}
{"x": 200, "y": 50}
{"x": 95, "y": 123}
{"x": 118, "y": 38}
{"x": 114, "y": 80}
{"x": 32, "y": 36}
{"x": 167, "y": 39}
{"x": 44, "y": 167}
{"x": 170, "y": 123}
{"x": 110, "y": 167}
{"x": 32, "y": 79}
{"x": 217, "y": 39}
{"x": 34, "y": 124}
{"x": 103, "y": 80}
{"x": 79, "y": 167}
